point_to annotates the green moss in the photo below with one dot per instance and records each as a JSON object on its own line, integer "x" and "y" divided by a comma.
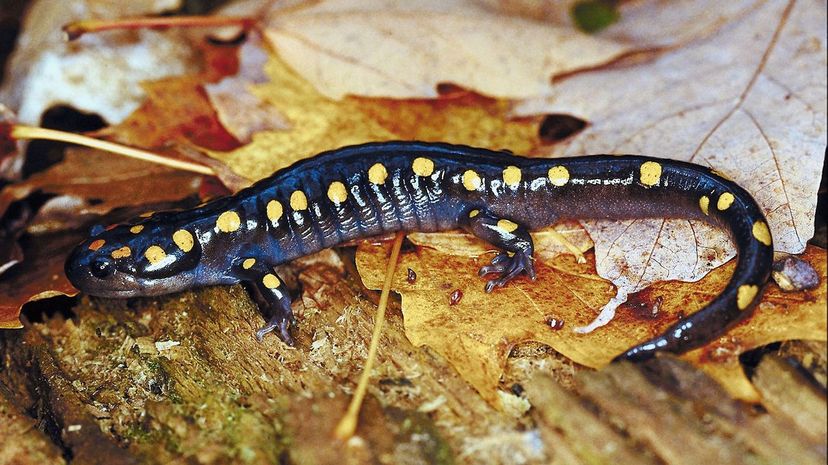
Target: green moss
{"x": 434, "y": 448}
{"x": 256, "y": 437}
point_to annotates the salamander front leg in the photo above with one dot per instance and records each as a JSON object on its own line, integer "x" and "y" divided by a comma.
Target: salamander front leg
{"x": 507, "y": 235}
{"x": 275, "y": 295}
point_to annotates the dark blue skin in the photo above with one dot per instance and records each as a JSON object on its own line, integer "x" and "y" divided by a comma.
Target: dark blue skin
{"x": 425, "y": 187}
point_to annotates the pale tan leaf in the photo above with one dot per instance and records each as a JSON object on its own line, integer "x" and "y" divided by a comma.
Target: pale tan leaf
{"x": 392, "y": 48}
{"x": 660, "y": 24}
{"x": 389, "y": 48}
{"x": 240, "y": 111}
{"x": 748, "y": 100}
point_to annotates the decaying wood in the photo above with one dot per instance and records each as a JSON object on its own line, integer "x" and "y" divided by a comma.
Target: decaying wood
{"x": 673, "y": 413}
{"x": 788, "y": 394}
{"x": 22, "y": 441}
{"x": 181, "y": 379}
{"x": 812, "y": 355}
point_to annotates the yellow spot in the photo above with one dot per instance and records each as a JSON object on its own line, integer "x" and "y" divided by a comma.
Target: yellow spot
{"x": 270, "y": 281}
{"x": 507, "y": 225}
{"x": 228, "y": 221}
{"x": 146, "y": 214}
{"x": 558, "y": 175}
{"x": 274, "y": 211}
{"x": 155, "y": 254}
{"x": 136, "y": 229}
{"x": 762, "y": 233}
{"x": 650, "y": 173}
{"x": 474, "y": 213}
{"x": 745, "y": 295}
{"x": 511, "y": 176}
{"x": 183, "y": 239}
{"x": 423, "y": 166}
{"x": 471, "y": 180}
{"x": 377, "y": 174}
{"x": 123, "y": 252}
{"x": 298, "y": 201}
{"x": 248, "y": 263}
{"x": 96, "y": 244}
{"x": 704, "y": 204}
{"x": 337, "y": 192}
{"x": 725, "y": 201}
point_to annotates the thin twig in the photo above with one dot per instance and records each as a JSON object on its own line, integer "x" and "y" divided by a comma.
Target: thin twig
{"x": 31, "y": 132}
{"x": 347, "y": 425}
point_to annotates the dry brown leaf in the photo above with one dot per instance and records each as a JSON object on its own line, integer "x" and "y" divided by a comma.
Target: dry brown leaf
{"x": 749, "y": 101}
{"x": 177, "y": 109}
{"x": 89, "y": 182}
{"x": 389, "y": 48}
{"x": 477, "y": 333}
{"x": 321, "y": 124}
{"x": 240, "y": 112}
{"x": 97, "y": 74}
{"x": 40, "y": 276}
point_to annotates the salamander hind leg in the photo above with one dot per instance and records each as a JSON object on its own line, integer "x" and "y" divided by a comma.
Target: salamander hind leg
{"x": 276, "y": 299}
{"x": 505, "y": 234}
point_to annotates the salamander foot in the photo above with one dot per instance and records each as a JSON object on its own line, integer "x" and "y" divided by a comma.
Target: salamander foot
{"x": 508, "y": 267}
{"x": 279, "y": 324}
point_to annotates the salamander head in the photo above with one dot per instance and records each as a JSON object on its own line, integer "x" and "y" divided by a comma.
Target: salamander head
{"x": 135, "y": 260}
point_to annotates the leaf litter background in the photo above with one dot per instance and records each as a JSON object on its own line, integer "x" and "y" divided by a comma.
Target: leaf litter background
{"x": 742, "y": 90}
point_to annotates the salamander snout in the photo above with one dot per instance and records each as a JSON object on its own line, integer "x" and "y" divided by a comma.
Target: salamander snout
{"x": 130, "y": 261}
{"x": 93, "y": 272}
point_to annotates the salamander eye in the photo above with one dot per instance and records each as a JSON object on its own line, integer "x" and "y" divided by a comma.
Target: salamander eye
{"x": 101, "y": 268}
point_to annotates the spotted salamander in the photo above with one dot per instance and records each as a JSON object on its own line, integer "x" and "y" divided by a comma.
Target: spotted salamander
{"x": 370, "y": 189}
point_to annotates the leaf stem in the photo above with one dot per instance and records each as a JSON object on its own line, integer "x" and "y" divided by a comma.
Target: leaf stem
{"x": 78, "y": 28}
{"x": 32, "y": 132}
{"x": 347, "y": 425}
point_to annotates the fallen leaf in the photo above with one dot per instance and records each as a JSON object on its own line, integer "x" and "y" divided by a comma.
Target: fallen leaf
{"x": 397, "y": 49}
{"x": 40, "y": 276}
{"x": 240, "y": 112}
{"x": 12, "y": 225}
{"x": 388, "y": 48}
{"x": 477, "y": 334}
{"x": 321, "y": 124}
{"x": 748, "y": 100}
{"x": 98, "y": 74}
{"x": 87, "y": 182}
{"x": 177, "y": 109}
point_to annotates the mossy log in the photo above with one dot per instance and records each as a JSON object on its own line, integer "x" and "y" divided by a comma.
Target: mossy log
{"x": 181, "y": 379}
